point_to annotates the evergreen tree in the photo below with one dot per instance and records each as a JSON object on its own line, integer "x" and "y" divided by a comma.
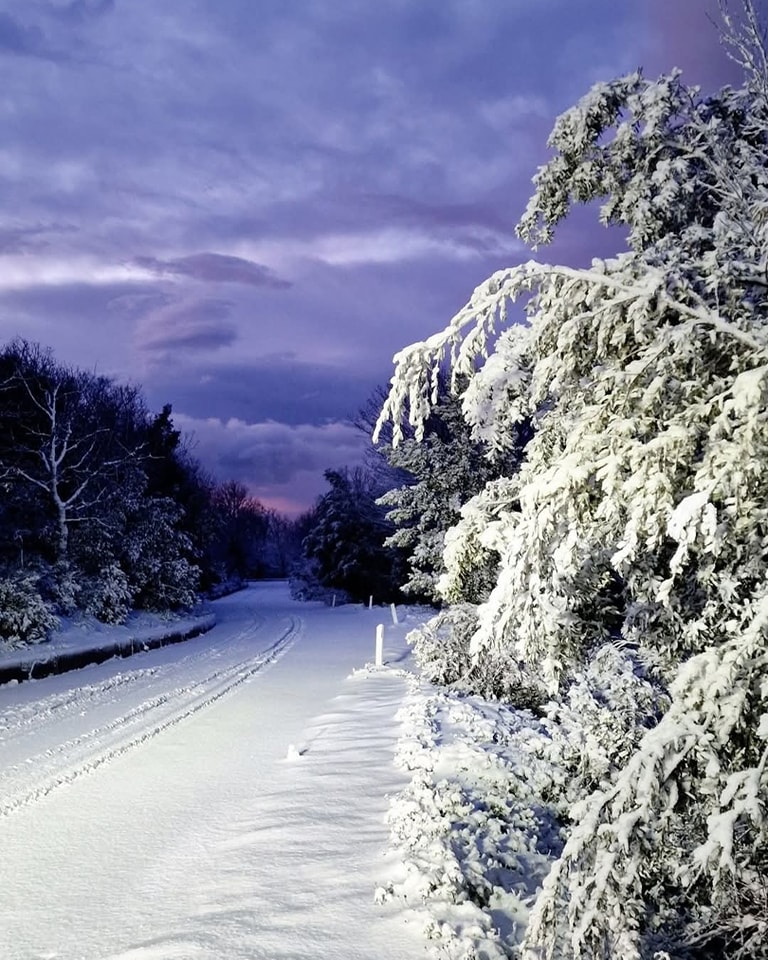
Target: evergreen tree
{"x": 444, "y": 470}
{"x": 641, "y": 510}
{"x": 344, "y": 550}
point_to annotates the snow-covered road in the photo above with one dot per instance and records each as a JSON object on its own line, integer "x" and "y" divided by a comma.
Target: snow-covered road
{"x": 150, "y": 808}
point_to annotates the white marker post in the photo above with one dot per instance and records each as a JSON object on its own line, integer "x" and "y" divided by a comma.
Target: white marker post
{"x": 393, "y": 608}
{"x": 370, "y": 602}
{"x": 333, "y": 602}
{"x": 380, "y": 645}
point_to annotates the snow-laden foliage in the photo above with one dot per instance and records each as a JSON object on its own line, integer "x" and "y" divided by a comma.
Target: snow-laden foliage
{"x": 474, "y": 835}
{"x": 641, "y": 510}
{"x": 441, "y": 645}
{"x": 471, "y": 554}
{"x": 446, "y": 469}
{"x": 598, "y": 723}
{"x": 63, "y": 585}
{"x": 442, "y": 652}
{"x": 108, "y": 595}
{"x": 687, "y": 813}
{"x": 24, "y": 615}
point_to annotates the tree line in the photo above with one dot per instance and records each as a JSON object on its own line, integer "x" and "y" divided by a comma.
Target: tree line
{"x": 105, "y": 509}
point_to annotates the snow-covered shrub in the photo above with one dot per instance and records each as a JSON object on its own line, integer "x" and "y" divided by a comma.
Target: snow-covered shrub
{"x": 157, "y": 557}
{"x": 169, "y": 585}
{"x": 441, "y": 645}
{"x": 597, "y": 725}
{"x": 25, "y": 618}
{"x": 108, "y": 596}
{"x": 473, "y": 830}
{"x": 442, "y": 651}
{"x": 63, "y": 586}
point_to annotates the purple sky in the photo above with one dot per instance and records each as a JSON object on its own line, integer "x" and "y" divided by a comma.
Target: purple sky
{"x": 247, "y": 206}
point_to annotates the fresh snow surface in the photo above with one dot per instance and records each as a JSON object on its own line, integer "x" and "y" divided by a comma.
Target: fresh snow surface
{"x": 221, "y": 798}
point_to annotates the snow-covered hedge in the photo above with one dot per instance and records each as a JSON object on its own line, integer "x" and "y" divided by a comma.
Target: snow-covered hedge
{"x": 442, "y": 651}
{"x": 108, "y": 596}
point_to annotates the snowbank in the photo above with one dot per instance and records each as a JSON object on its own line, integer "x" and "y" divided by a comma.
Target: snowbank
{"x": 472, "y": 833}
{"x": 86, "y": 641}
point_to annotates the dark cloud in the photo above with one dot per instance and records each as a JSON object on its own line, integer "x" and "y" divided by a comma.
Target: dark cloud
{"x": 188, "y": 325}
{"x": 22, "y": 40}
{"x": 267, "y": 388}
{"x": 282, "y": 464}
{"x": 214, "y": 268}
{"x": 20, "y": 239}
{"x": 17, "y": 38}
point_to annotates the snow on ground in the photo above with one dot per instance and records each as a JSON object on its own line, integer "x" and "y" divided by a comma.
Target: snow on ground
{"x": 473, "y": 836}
{"x": 263, "y": 791}
{"x": 225, "y": 797}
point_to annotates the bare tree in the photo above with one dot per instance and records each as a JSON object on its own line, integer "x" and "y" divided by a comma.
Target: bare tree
{"x": 74, "y": 437}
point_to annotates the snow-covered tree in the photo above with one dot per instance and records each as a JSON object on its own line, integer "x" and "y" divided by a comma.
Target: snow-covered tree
{"x": 344, "y": 549}
{"x": 446, "y": 468}
{"x": 642, "y": 507}
{"x": 72, "y": 438}
{"x": 96, "y": 491}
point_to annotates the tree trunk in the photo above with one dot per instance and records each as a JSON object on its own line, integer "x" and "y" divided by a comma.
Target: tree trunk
{"x": 63, "y": 544}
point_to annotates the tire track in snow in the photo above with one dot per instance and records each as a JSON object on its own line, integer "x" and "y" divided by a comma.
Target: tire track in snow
{"x": 139, "y": 725}
{"x": 15, "y": 719}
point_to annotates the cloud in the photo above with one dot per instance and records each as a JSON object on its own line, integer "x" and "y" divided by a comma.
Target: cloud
{"x": 214, "y": 268}
{"x": 21, "y": 239}
{"x": 81, "y": 11}
{"x": 19, "y": 39}
{"x": 188, "y": 325}
{"x": 391, "y": 245}
{"x": 278, "y": 462}
{"x": 269, "y": 387}
{"x": 20, "y": 271}
{"x": 502, "y": 113}
{"x": 48, "y": 269}
{"x": 378, "y": 156}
